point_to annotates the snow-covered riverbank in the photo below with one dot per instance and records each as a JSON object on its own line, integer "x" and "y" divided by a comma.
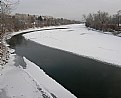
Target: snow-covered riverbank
{"x": 31, "y": 82}
{"x": 79, "y": 40}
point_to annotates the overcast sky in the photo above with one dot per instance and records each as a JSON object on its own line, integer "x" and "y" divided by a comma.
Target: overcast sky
{"x": 72, "y": 9}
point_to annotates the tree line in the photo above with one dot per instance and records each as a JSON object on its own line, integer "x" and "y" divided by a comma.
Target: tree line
{"x": 103, "y": 21}
{"x": 11, "y": 23}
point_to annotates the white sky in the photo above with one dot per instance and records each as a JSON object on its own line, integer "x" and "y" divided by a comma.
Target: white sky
{"x": 72, "y": 9}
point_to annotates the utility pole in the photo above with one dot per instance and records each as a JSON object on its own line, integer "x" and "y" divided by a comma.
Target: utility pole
{"x": 119, "y": 16}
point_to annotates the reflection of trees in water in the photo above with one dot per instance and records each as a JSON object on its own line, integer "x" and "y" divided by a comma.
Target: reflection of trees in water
{"x": 19, "y": 61}
{"x": 3, "y": 94}
{"x": 16, "y": 40}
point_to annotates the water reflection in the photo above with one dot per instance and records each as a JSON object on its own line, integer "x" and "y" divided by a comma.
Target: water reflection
{"x": 16, "y": 40}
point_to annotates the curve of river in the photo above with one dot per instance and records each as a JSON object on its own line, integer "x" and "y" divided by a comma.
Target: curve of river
{"x": 84, "y": 77}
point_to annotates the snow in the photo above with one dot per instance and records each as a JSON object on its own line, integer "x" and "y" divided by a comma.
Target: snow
{"x": 15, "y": 83}
{"x": 35, "y": 29}
{"x": 81, "y": 41}
{"x": 32, "y": 82}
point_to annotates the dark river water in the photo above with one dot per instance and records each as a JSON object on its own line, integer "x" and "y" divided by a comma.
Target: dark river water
{"x": 84, "y": 77}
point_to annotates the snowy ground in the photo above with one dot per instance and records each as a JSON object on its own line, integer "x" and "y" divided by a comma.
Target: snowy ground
{"x": 79, "y": 40}
{"x": 32, "y": 82}
{"x": 37, "y": 29}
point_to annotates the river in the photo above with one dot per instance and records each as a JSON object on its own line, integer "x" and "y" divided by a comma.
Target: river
{"x": 84, "y": 77}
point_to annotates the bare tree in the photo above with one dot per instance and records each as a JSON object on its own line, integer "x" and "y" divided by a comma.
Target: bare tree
{"x": 100, "y": 20}
{"x": 6, "y": 7}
